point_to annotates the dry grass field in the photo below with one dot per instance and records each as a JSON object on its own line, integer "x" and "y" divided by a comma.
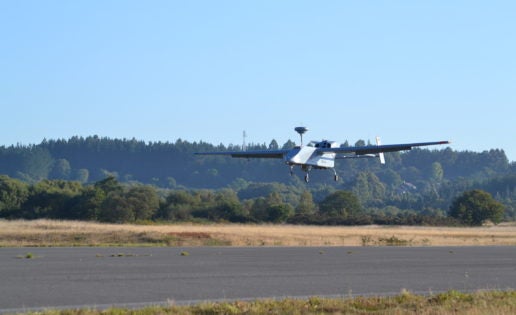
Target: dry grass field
{"x": 73, "y": 233}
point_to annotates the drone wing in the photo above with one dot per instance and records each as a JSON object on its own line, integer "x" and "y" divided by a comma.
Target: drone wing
{"x": 373, "y": 149}
{"x": 263, "y": 154}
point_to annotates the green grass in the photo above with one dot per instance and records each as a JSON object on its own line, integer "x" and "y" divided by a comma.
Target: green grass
{"x": 451, "y": 302}
{"x": 26, "y": 256}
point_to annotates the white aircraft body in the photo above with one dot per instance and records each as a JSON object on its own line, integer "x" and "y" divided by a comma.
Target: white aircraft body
{"x": 322, "y": 154}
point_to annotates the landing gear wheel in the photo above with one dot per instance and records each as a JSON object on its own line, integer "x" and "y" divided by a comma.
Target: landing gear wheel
{"x": 307, "y": 178}
{"x": 336, "y": 178}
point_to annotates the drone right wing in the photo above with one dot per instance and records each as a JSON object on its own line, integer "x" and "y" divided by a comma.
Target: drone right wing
{"x": 372, "y": 149}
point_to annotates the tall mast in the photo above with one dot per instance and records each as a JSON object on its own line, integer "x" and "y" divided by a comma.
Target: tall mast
{"x": 301, "y": 131}
{"x": 244, "y": 147}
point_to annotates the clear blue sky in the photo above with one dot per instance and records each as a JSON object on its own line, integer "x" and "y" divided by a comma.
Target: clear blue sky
{"x": 207, "y": 70}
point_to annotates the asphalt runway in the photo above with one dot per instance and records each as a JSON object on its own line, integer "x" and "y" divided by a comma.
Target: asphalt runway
{"x": 133, "y": 277}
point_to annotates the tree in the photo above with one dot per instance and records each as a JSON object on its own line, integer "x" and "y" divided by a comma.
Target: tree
{"x": 360, "y": 143}
{"x": 476, "y": 206}
{"x": 171, "y": 182}
{"x": 279, "y": 213}
{"x": 50, "y": 199}
{"x": 437, "y": 172}
{"x": 258, "y": 209}
{"x": 273, "y": 145}
{"x": 36, "y": 163}
{"x": 86, "y": 206}
{"x": 271, "y": 209}
{"x": 369, "y": 188}
{"x": 340, "y": 203}
{"x": 288, "y": 145}
{"x": 227, "y": 207}
{"x": 274, "y": 198}
{"x": 109, "y": 184}
{"x": 13, "y": 193}
{"x": 178, "y": 205}
{"x": 116, "y": 209}
{"x": 391, "y": 178}
{"x": 144, "y": 201}
{"x": 60, "y": 170}
{"x": 306, "y": 204}
{"x": 82, "y": 175}
{"x": 255, "y": 190}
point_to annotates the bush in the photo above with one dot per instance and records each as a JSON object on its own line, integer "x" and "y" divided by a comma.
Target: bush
{"x": 474, "y": 207}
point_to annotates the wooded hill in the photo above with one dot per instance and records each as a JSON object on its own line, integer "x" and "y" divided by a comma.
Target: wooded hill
{"x": 419, "y": 180}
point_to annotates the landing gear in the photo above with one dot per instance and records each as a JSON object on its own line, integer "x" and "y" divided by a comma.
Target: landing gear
{"x": 307, "y": 169}
{"x": 335, "y": 176}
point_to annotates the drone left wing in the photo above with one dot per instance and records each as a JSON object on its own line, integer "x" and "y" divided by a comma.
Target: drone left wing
{"x": 263, "y": 154}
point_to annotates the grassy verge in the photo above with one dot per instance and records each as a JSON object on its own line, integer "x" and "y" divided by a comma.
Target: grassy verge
{"x": 452, "y": 302}
{"x": 73, "y": 233}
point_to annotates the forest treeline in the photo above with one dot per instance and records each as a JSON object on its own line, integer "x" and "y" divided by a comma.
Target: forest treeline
{"x": 416, "y": 184}
{"x": 110, "y": 201}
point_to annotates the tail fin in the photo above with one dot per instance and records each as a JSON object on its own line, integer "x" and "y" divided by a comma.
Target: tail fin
{"x": 380, "y": 155}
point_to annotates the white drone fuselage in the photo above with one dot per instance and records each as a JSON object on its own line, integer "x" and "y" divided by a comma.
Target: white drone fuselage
{"x": 309, "y": 157}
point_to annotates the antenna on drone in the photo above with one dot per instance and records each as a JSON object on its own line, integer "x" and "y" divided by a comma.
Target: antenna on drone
{"x": 244, "y": 147}
{"x": 301, "y": 131}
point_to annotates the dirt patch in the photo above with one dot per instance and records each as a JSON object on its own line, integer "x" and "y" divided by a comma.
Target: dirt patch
{"x": 193, "y": 235}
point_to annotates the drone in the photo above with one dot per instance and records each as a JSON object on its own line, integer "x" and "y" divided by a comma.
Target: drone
{"x": 322, "y": 154}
